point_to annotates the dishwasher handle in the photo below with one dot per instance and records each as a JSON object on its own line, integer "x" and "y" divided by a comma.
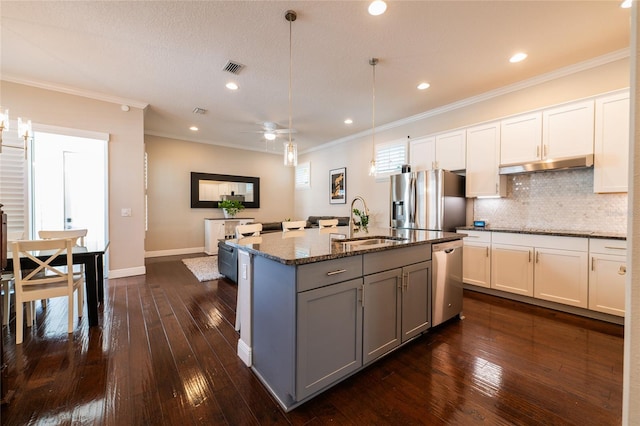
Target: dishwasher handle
{"x": 448, "y": 247}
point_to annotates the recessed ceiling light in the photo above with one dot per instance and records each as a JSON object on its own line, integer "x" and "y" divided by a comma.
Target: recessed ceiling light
{"x": 377, "y": 7}
{"x": 193, "y": 128}
{"x": 232, "y": 86}
{"x": 626, "y": 4}
{"x": 348, "y": 121}
{"x": 423, "y": 86}
{"x": 518, "y": 57}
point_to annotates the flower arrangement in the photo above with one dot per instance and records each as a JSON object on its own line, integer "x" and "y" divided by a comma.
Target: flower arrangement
{"x": 230, "y": 207}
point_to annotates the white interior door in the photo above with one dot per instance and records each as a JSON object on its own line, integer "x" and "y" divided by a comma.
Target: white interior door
{"x": 69, "y": 184}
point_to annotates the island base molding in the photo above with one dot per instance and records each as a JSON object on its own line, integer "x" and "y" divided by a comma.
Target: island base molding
{"x": 244, "y": 352}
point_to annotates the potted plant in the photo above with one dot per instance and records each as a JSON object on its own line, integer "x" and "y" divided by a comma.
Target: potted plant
{"x": 230, "y": 207}
{"x": 363, "y": 223}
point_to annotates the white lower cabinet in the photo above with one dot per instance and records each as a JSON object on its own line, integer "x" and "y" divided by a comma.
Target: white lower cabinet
{"x": 587, "y": 273}
{"x": 561, "y": 276}
{"x": 607, "y": 276}
{"x": 512, "y": 269}
{"x": 219, "y": 229}
{"x": 546, "y": 267}
{"x": 476, "y": 258}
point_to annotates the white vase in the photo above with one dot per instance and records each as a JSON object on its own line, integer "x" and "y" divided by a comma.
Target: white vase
{"x": 228, "y": 215}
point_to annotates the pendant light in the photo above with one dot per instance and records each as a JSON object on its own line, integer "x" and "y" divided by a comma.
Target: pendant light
{"x": 372, "y": 166}
{"x": 290, "y": 148}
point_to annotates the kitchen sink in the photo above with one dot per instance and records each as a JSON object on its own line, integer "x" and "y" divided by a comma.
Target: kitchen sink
{"x": 369, "y": 243}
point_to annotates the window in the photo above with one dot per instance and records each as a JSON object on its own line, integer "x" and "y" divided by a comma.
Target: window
{"x": 390, "y": 157}
{"x": 13, "y": 186}
{"x": 303, "y": 176}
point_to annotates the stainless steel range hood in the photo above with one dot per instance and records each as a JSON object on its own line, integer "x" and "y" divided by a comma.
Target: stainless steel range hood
{"x": 549, "y": 165}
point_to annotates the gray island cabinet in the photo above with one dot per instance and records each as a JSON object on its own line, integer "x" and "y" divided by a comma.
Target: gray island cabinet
{"x": 317, "y": 323}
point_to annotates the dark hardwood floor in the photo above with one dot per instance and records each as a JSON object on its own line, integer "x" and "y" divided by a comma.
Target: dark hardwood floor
{"x": 165, "y": 354}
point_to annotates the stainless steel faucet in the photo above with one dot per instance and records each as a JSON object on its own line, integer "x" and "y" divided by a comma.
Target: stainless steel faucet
{"x": 352, "y": 221}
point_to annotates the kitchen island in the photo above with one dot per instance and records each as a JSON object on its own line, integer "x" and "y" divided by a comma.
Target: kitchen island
{"x": 318, "y": 305}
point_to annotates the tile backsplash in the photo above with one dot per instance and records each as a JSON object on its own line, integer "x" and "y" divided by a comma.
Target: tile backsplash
{"x": 559, "y": 200}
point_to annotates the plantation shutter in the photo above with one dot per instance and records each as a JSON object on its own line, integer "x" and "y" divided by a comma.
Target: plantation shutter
{"x": 13, "y": 185}
{"x": 390, "y": 157}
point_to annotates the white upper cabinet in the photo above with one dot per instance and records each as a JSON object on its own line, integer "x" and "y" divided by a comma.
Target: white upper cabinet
{"x": 567, "y": 130}
{"x": 451, "y": 150}
{"x": 521, "y": 138}
{"x": 559, "y": 132}
{"x": 483, "y": 156}
{"x": 444, "y": 151}
{"x": 611, "y": 159}
{"x": 422, "y": 153}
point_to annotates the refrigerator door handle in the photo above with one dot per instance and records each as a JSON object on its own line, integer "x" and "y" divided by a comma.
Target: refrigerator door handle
{"x": 412, "y": 191}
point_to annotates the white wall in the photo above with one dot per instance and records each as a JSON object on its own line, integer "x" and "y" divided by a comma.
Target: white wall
{"x": 176, "y": 228}
{"x": 126, "y": 141}
{"x": 355, "y": 154}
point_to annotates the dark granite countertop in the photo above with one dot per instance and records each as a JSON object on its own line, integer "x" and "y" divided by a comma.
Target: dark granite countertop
{"x": 316, "y": 245}
{"x": 553, "y": 232}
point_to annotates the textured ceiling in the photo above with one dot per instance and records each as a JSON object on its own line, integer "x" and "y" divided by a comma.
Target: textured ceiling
{"x": 170, "y": 55}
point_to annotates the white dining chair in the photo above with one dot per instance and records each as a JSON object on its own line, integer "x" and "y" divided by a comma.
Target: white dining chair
{"x": 249, "y": 230}
{"x": 78, "y": 236}
{"x": 296, "y": 225}
{"x": 7, "y": 280}
{"x": 44, "y": 281}
{"x": 328, "y": 223}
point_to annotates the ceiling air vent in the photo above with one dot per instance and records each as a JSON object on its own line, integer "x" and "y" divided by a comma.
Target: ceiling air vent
{"x": 233, "y": 67}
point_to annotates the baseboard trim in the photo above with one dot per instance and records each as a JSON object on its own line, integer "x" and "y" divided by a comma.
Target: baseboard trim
{"x": 244, "y": 352}
{"x": 547, "y": 304}
{"x": 128, "y": 272}
{"x": 173, "y": 252}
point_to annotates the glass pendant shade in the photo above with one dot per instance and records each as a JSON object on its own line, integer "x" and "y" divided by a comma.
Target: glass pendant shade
{"x": 372, "y": 168}
{"x": 290, "y": 154}
{"x": 24, "y": 128}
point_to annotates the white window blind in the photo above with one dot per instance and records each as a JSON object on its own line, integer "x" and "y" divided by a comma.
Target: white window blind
{"x": 390, "y": 157}
{"x": 303, "y": 176}
{"x": 13, "y": 186}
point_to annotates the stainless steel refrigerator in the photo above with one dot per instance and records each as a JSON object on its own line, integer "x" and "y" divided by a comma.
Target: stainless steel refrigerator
{"x": 434, "y": 200}
{"x": 430, "y": 199}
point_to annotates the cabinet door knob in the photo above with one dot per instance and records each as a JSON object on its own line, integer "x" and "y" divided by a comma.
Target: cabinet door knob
{"x": 622, "y": 270}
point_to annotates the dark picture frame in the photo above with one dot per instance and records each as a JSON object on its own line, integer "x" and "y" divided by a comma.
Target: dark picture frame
{"x": 338, "y": 186}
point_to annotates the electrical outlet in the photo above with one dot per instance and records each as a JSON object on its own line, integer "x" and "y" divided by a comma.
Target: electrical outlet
{"x": 125, "y": 212}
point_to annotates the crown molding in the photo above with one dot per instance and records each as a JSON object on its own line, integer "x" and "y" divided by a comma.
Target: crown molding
{"x": 208, "y": 142}
{"x": 74, "y": 91}
{"x": 534, "y": 81}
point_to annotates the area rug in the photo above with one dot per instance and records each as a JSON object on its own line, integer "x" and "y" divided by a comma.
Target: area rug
{"x": 204, "y": 268}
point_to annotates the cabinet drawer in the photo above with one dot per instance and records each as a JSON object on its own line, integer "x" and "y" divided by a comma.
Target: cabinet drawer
{"x": 476, "y": 236}
{"x": 396, "y": 258}
{"x": 319, "y": 274}
{"x": 614, "y": 247}
{"x": 547, "y": 241}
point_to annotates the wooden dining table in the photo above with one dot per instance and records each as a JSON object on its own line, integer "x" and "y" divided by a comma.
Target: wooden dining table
{"x": 91, "y": 256}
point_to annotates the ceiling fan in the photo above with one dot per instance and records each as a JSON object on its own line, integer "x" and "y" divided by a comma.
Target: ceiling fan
{"x": 271, "y": 130}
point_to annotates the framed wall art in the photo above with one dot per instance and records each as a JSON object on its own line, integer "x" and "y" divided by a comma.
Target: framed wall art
{"x": 338, "y": 186}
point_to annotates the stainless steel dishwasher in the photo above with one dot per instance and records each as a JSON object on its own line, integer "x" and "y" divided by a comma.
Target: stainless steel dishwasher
{"x": 446, "y": 281}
